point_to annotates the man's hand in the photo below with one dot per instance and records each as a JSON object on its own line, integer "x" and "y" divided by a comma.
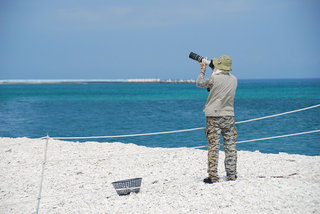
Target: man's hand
{"x": 203, "y": 66}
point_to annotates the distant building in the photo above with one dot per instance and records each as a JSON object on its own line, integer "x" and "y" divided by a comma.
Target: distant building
{"x": 144, "y": 80}
{"x": 179, "y": 81}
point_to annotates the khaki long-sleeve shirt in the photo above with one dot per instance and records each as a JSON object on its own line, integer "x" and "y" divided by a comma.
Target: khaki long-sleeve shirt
{"x": 222, "y": 86}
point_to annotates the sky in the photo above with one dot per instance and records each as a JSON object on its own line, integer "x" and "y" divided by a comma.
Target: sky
{"x": 102, "y": 39}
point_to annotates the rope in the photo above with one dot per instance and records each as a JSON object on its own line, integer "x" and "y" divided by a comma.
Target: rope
{"x": 168, "y": 132}
{"x": 185, "y": 130}
{"x": 128, "y": 135}
{"x": 267, "y": 138}
{"x": 280, "y": 136}
{"x": 276, "y": 115}
{"x": 42, "y": 173}
{"x": 197, "y": 147}
{"x": 134, "y": 154}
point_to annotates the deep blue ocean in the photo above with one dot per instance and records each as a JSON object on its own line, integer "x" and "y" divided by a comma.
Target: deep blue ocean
{"x": 63, "y": 110}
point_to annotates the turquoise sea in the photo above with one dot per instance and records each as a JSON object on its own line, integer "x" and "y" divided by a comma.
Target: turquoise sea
{"x": 64, "y": 110}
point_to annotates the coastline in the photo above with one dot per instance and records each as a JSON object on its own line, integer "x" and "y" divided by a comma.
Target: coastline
{"x": 78, "y": 176}
{"x": 93, "y": 81}
{"x": 104, "y": 81}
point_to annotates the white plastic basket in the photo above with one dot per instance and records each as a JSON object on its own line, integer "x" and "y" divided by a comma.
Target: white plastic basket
{"x": 125, "y": 187}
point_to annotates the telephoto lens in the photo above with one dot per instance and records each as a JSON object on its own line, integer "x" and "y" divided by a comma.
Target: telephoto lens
{"x": 199, "y": 58}
{"x": 195, "y": 56}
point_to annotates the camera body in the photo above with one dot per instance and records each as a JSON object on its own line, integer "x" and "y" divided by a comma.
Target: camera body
{"x": 199, "y": 58}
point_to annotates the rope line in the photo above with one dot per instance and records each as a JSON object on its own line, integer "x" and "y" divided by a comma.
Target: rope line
{"x": 157, "y": 133}
{"x": 277, "y": 115}
{"x": 267, "y": 138}
{"x": 42, "y": 173}
{"x": 3, "y": 206}
{"x": 185, "y": 130}
{"x": 280, "y": 136}
{"x": 139, "y": 153}
{"x": 128, "y": 135}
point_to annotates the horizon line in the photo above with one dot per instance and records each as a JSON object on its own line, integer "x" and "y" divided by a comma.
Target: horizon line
{"x": 126, "y": 79}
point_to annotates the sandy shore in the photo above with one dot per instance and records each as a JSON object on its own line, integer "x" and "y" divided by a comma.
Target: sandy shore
{"x": 78, "y": 177}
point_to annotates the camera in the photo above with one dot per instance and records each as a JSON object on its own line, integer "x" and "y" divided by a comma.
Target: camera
{"x": 199, "y": 58}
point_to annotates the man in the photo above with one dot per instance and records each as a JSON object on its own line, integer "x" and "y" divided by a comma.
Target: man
{"x": 219, "y": 111}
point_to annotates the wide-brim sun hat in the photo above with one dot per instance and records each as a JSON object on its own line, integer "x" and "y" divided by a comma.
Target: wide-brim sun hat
{"x": 224, "y": 63}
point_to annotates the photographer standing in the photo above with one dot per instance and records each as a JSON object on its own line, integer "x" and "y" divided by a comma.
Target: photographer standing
{"x": 219, "y": 111}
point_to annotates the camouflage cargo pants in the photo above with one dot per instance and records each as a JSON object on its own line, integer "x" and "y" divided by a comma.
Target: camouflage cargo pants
{"x": 225, "y": 126}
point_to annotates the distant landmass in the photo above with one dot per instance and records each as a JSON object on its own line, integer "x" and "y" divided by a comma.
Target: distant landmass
{"x": 86, "y": 81}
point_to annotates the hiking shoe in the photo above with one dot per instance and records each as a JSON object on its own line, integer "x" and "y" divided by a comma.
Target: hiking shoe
{"x": 209, "y": 180}
{"x": 232, "y": 178}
